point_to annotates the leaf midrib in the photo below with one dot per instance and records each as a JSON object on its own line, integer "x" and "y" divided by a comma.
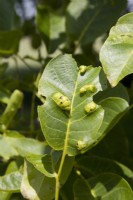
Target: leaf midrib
{"x": 69, "y": 121}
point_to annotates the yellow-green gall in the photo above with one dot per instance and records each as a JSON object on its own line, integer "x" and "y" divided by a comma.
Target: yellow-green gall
{"x": 89, "y": 87}
{"x": 83, "y": 69}
{"x": 62, "y": 101}
{"x": 90, "y": 107}
{"x": 81, "y": 145}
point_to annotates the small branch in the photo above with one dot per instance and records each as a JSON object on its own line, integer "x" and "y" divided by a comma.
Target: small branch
{"x": 26, "y": 64}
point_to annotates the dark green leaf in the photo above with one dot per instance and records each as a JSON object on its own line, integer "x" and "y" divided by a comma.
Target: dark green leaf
{"x": 88, "y": 19}
{"x": 105, "y": 186}
{"x": 8, "y": 18}
{"x": 93, "y": 165}
{"x": 9, "y": 42}
{"x": 52, "y": 27}
{"x": 82, "y": 190}
{"x": 35, "y": 185}
{"x": 110, "y": 186}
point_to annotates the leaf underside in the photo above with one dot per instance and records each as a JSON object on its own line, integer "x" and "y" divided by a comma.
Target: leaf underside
{"x": 76, "y": 131}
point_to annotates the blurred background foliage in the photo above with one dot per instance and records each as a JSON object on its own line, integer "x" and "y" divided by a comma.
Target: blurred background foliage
{"x": 31, "y": 33}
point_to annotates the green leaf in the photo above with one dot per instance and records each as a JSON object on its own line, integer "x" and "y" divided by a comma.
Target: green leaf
{"x": 106, "y": 186}
{"x": 36, "y": 186}
{"x": 116, "y": 53}
{"x": 9, "y": 42}
{"x": 118, "y": 91}
{"x": 42, "y": 163}
{"x": 11, "y": 182}
{"x": 48, "y": 165}
{"x": 67, "y": 129}
{"x": 52, "y": 27}
{"x": 77, "y": 130}
{"x": 11, "y": 169}
{"x": 14, "y": 144}
{"x": 110, "y": 186}
{"x": 88, "y": 19}
{"x": 114, "y": 108}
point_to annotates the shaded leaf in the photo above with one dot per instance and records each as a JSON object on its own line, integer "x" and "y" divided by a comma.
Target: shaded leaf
{"x": 93, "y": 165}
{"x": 9, "y": 42}
{"x": 114, "y": 108}
{"x": 4, "y": 96}
{"x": 105, "y": 186}
{"x": 42, "y": 163}
{"x": 48, "y": 165}
{"x": 110, "y": 186}
{"x": 82, "y": 190}
{"x": 116, "y": 53}
{"x": 118, "y": 91}
{"x": 113, "y": 138}
{"x": 35, "y": 186}
{"x": 52, "y": 27}
{"x": 8, "y": 18}
{"x": 88, "y": 19}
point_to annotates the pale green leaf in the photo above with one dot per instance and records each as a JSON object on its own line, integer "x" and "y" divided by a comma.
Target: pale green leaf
{"x": 117, "y": 52}
{"x": 14, "y": 144}
{"x": 11, "y": 169}
{"x": 11, "y": 182}
{"x": 88, "y": 19}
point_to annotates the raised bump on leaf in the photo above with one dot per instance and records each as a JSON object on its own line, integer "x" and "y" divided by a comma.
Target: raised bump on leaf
{"x": 88, "y": 87}
{"x": 83, "y": 69}
{"x": 81, "y": 145}
{"x": 90, "y": 107}
{"x": 62, "y": 101}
